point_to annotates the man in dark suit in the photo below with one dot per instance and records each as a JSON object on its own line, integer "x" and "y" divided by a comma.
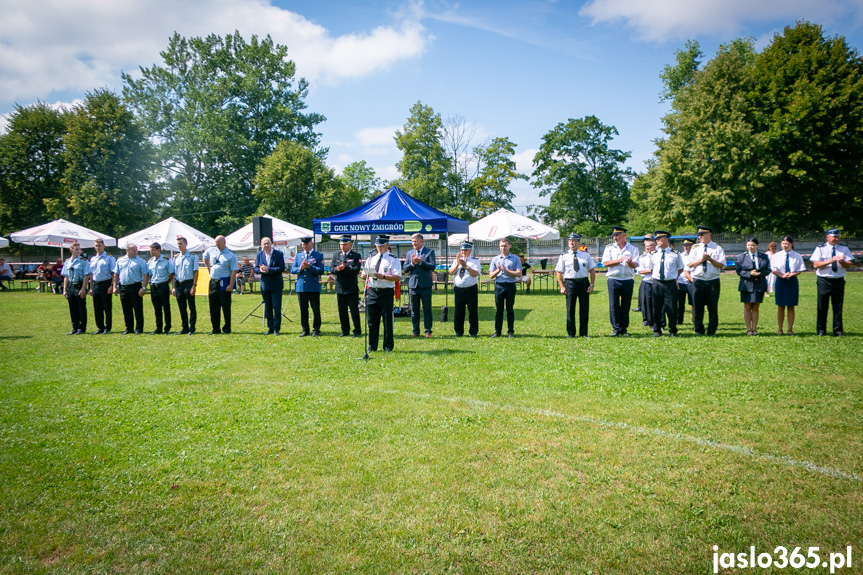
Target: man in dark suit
{"x": 420, "y": 262}
{"x": 308, "y": 267}
{"x": 346, "y": 266}
{"x": 269, "y": 265}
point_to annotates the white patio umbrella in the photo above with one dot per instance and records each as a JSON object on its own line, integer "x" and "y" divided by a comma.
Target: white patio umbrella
{"x": 4, "y": 242}
{"x": 284, "y": 234}
{"x": 502, "y": 224}
{"x": 61, "y": 233}
{"x": 166, "y": 232}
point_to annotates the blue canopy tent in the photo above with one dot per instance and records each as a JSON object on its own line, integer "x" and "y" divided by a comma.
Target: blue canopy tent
{"x": 393, "y": 212}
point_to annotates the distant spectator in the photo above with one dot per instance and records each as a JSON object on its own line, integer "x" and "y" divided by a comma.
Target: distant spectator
{"x": 771, "y": 278}
{"x": 57, "y": 276}
{"x": 246, "y": 272}
{"x": 5, "y": 274}
{"x": 524, "y": 277}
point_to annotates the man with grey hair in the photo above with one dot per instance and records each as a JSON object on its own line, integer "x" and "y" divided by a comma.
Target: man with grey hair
{"x": 131, "y": 276}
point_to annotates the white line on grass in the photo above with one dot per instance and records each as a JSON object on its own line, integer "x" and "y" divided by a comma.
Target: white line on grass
{"x": 738, "y": 449}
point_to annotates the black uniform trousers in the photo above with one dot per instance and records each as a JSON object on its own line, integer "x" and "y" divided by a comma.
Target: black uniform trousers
{"x": 349, "y": 309}
{"x": 160, "y": 296}
{"x": 645, "y": 302}
{"x": 683, "y": 293}
{"x": 220, "y": 303}
{"x": 379, "y": 306}
{"x": 272, "y": 308}
{"x": 77, "y": 307}
{"x": 706, "y": 294}
{"x": 313, "y": 299}
{"x": 831, "y": 291}
{"x": 185, "y": 298}
{"x": 619, "y": 300}
{"x": 424, "y": 296}
{"x": 504, "y": 296}
{"x": 576, "y": 291}
{"x": 466, "y": 297}
{"x": 664, "y": 305}
{"x": 102, "y": 311}
{"x": 133, "y": 306}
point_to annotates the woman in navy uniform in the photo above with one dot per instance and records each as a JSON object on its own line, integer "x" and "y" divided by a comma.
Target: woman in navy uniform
{"x": 786, "y": 265}
{"x": 752, "y": 267}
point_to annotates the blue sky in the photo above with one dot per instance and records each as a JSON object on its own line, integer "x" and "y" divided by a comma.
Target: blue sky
{"x": 513, "y": 69}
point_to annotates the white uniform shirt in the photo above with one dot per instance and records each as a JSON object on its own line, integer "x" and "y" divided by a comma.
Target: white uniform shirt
{"x": 566, "y": 265}
{"x": 645, "y": 263}
{"x": 462, "y": 279}
{"x": 685, "y": 259}
{"x": 673, "y": 264}
{"x": 795, "y": 262}
{"x": 614, "y": 252}
{"x": 708, "y": 272}
{"x": 389, "y": 266}
{"x": 825, "y": 252}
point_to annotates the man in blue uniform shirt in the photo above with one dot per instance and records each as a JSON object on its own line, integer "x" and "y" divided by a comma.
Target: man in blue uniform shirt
{"x": 830, "y": 261}
{"x": 420, "y": 262}
{"x": 505, "y": 270}
{"x": 222, "y": 264}
{"x": 308, "y": 267}
{"x": 101, "y": 282}
{"x": 185, "y": 285}
{"x": 161, "y": 277}
{"x": 76, "y": 277}
{"x": 131, "y": 277}
{"x": 269, "y": 265}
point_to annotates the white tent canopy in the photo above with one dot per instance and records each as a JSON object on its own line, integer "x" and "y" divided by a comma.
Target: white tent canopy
{"x": 165, "y": 233}
{"x": 502, "y": 224}
{"x": 3, "y": 242}
{"x": 284, "y": 234}
{"x": 60, "y": 234}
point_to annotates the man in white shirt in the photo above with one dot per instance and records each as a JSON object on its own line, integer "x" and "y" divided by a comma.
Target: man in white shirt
{"x": 620, "y": 258}
{"x": 572, "y": 271}
{"x": 381, "y": 271}
{"x": 667, "y": 265}
{"x": 465, "y": 271}
{"x": 704, "y": 270}
{"x": 830, "y": 261}
{"x": 645, "y": 271}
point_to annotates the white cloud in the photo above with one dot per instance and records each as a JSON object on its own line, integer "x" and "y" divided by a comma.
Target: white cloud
{"x": 660, "y": 20}
{"x": 77, "y": 45}
{"x": 377, "y": 137}
{"x": 524, "y": 161}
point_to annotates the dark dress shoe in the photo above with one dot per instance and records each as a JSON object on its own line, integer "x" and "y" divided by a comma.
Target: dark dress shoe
{"x": 657, "y": 334}
{"x": 97, "y": 332}
{"x": 342, "y": 335}
{"x": 139, "y": 331}
{"x": 73, "y": 332}
{"x": 275, "y": 332}
{"x": 128, "y": 332}
{"x": 316, "y": 333}
{"x": 106, "y": 331}
{"x": 183, "y": 332}
{"x": 191, "y": 332}
{"x": 156, "y": 332}
{"x": 510, "y": 335}
{"x": 214, "y": 332}
{"x": 495, "y": 334}
{"x": 356, "y": 335}
{"x": 303, "y": 334}
{"x": 268, "y": 332}
{"x": 226, "y": 331}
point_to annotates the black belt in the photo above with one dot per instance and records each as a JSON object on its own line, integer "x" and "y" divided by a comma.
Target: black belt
{"x": 130, "y": 285}
{"x": 574, "y": 279}
{"x": 158, "y": 284}
{"x": 102, "y": 282}
{"x": 374, "y": 289}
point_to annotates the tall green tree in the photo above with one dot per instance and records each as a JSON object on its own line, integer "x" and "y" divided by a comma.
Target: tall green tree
{"x": 360, "y": 180}
{"x": 294, "y": 184}
{"x": 807, "y": 101}
{"x": 217, "y": 107}
{"x": 107, "y": 183}
{"x": 424, "y": 164}
{"x": 585, "y": 177}
{"x": 497, "y": 171}
{"x": 31, "y": 165}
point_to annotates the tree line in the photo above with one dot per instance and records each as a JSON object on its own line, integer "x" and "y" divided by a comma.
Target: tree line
{"x": 219, "y": 131}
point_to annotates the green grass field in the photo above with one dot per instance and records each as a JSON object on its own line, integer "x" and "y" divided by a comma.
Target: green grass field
{"x": 250, "y": 454}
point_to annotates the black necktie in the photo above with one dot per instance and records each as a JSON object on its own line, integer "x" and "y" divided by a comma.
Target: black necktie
{"x": 834, "y": 266}
{"x": 787, "y": 263}
{"x": 704, "y": 265}
{"x": 378, "y": 265}
{"x": 662, "y": 267}
{"x": 576, "y": 265}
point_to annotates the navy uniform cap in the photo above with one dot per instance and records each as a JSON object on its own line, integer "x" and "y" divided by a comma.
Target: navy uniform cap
{"x": 306, "y": 239}
{"x": 345, "y": 240}
{"x": 702, "y": 229}
{"x": 574, "y": 236}
{"x": 833, "y": 232}
{"x": 382, "y": 240}
{"x": 688, "y": 242}
{"x": 466, "y": 246}
{"x": 661, "y": 234}
{"x": 617, "y": 229}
